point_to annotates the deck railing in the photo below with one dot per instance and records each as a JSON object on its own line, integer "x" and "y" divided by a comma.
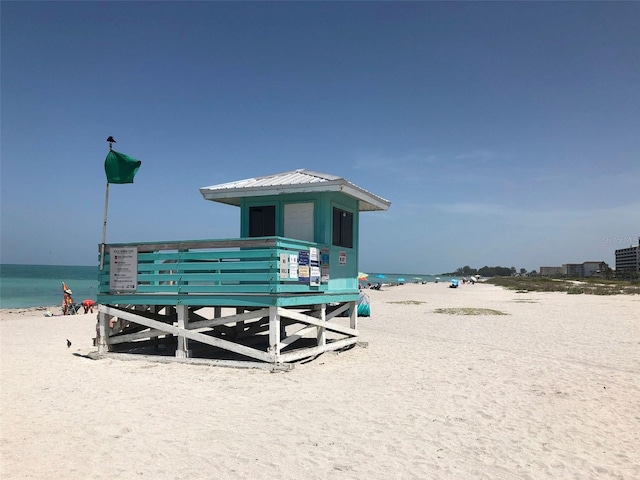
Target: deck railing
{"x": 236, "y": 266}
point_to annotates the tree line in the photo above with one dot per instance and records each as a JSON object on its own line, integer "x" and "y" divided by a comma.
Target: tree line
{"x": 486, "y": 271}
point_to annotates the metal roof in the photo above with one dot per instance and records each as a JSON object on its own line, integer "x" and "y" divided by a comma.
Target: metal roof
{"x": 295, "y": 181}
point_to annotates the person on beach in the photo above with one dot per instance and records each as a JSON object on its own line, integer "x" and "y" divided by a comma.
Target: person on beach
{"x": 67, "y": 300}
{"x": 88, "y": 305}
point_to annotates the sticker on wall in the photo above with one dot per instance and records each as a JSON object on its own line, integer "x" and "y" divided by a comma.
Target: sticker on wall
{"x": 342, "y": 258}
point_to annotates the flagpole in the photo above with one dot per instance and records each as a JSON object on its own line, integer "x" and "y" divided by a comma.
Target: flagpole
{"x": 104, "y": 226}
{"x": 106, "y": 207}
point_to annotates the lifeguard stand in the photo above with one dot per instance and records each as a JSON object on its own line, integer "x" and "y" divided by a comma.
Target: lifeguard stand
{"x": 283, "y": 283}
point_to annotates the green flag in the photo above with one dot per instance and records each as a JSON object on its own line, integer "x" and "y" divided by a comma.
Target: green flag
{"x": 120, "y": 168}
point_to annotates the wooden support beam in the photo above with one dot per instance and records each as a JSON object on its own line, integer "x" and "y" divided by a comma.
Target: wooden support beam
{"x": 322, "y": 332}
{"x": 297, "y": 335}
{"x": 251, "y": 315}
{"x": 103, "y": 330}
{"x": 313, "y": 351}
{"x": 182, "y": 351}
{"x": 132, "y": 337}
{"x": 353, "y": 315}
{"x": 314, "y": 321}
{"x": 337, "y": 311}
{"x": 274, "y": 334}
{"x": 196, "y": 336}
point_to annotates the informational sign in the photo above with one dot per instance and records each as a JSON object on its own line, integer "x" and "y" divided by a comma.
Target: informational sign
{"x": 342, "y": 258}
{"x": 284, "y": 265}
{"x": 288, "y": 265}
{"x": 324, "y": 265}
{"x": 123, "y": 269}
{"x": 314, "y": 266}
{"x": 303, "y": 266}
{"x": 293, "y": 266}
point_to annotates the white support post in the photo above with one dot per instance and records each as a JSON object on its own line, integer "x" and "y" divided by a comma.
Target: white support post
{"x": 183, "y": 322}
{"x": 154, "y": 340}
{"x": 239, "y": 327}
{"x": 274, "y": 334}
{"x": 322, "y": 332}
{"x": 353, "y": 307}
{"x": 103, "y": 332}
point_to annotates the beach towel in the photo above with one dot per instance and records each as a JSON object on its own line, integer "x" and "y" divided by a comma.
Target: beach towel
{"x": 364, "y": 309}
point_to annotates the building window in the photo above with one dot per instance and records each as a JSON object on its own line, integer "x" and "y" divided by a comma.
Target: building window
{"x": 262, "y": 221}
{"x": 342, "y": 228}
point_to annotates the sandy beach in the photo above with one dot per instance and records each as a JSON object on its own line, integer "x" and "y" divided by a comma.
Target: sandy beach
{"x": 550, "y": 389}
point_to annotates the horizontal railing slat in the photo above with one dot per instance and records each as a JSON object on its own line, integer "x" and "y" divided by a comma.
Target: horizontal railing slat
{"x": 208, "y": 277}
{"x": 208, "y": 267}
{"x": 255, "y": 288}
{"x": 209, "y": 256}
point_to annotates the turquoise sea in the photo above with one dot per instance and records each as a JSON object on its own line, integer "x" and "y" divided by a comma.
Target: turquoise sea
{"x": 23, "y": 286}
{"x": 398, "y": 278}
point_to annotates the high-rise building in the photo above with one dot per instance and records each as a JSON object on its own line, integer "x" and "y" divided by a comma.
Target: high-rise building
{"x": 628, "y": 259}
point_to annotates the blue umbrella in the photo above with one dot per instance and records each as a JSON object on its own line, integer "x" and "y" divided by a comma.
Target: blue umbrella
{"x": 401, "y": 280}
{"x": 380, "y": 275}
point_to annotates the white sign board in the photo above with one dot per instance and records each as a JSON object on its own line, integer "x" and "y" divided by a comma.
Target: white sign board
{"x": 123, "y": 269}
{"x": 314, "y": 266}
{"x": 284, "y": 265}
{"x": 293, "y": 266}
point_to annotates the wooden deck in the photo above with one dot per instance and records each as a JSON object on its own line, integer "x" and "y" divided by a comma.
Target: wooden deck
{"x": 233, "y": 302}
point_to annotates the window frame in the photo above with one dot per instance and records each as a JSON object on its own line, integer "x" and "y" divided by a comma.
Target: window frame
{"x": 342, "y": 227}
{"x": 262, "y": 220}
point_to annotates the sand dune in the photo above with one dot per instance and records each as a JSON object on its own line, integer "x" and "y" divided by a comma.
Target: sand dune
{"x": 549, "y": 390}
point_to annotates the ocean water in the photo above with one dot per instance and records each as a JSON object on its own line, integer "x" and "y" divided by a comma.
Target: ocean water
{"x": 396, "y": 278}
{"x": 23, "y": 286}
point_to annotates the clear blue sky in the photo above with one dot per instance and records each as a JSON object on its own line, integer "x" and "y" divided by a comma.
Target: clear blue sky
{"x": 503, "y": 133}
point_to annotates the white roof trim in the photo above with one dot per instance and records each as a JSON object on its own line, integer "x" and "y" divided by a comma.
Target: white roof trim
{"x": 296, "y": 181}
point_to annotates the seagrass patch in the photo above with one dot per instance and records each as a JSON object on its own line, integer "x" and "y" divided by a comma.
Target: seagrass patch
{"x": 469, "y": 311}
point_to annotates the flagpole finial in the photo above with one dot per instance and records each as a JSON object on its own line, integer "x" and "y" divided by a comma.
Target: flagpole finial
{"x": 111, "y": 141}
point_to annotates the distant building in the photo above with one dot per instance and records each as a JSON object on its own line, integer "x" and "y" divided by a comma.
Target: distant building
{"x": 585, "y": 269}
{"x": 572, "y": 269}
{"x": 550, "y": 271}
{"x": 628, "y": 259}
{"x": 592, "y": 268}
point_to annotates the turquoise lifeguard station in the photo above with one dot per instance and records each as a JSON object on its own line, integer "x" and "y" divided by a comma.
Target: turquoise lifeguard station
{"x": 286, "y": 290}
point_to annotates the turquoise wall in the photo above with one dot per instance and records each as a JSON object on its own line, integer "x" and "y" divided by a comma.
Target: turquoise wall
{"x": 341, "y": 277}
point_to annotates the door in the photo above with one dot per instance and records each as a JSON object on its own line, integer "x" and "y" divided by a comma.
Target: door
{"x": 298, "y": 221}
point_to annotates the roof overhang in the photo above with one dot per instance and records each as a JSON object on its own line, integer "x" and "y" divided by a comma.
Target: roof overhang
{"x": 298, "y": 181}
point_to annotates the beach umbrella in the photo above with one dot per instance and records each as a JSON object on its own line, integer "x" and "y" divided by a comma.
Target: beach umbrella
{"x": 380, "y": 275}
{"x": 362, "y": 276}
{"x": 417, "y": 278}
{"x": 401, "y": 280}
